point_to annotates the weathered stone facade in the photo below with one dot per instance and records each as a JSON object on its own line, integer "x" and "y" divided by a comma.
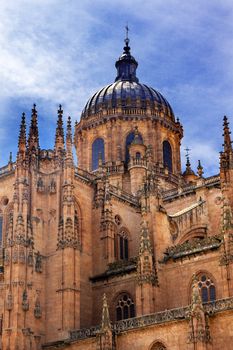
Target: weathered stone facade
{"x": 122, "y": 250}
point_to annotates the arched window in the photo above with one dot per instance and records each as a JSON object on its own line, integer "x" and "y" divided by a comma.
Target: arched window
{"x": 122, "y": 246}
{"x": 207, "y": 288}
{"x": 138, "y": 155}
{"x": 125, "y": 307}
{"x": 167, "y": 155}
{"x": 158, "y": 346}
{"x": 97, "y": 153}
{"x": 129, "y": 140}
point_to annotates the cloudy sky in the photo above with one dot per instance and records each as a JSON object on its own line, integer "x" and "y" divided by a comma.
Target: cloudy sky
{"x": 62, "y": 51}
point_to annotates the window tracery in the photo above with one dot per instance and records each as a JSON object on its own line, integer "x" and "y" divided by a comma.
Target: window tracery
{"x": 122, "y": 245}
{"x": 207, "y": 288}
{"x": 158, "y": 346}
{"x": 125, "y": 307}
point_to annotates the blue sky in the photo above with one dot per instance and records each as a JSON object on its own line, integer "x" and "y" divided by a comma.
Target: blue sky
{"x": 62, "y": 51}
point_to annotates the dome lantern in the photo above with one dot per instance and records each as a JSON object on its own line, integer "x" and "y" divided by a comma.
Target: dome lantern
{"x": 126, "y": 65}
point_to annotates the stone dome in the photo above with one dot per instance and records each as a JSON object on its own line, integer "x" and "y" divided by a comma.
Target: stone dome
{"x": 127, "y": 95}
{"x": 126, "y": 92}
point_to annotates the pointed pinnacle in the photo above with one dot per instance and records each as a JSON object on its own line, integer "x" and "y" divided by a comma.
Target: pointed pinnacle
{"x": 59, "y": 129}
{"x": 226, "y": 134}
{"x": 105, "y": 324}
{"x": 22, "y": 130}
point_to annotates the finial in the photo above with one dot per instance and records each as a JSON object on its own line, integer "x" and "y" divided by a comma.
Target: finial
{"x": 10, "y": 157}
{"x": 33, "y": 138}
{"x": 34, "y": 111}
{"x": 226, "y": 134}
{"x": 200, "y": 169}
{"x": 187, "y": 156}
{"x": 69, "y": 122}
{"x": 60, "y": 111}
{"x": 59, "y": 139}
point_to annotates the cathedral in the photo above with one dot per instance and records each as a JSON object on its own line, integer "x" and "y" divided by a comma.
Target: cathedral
{"x": 122, "y": 250}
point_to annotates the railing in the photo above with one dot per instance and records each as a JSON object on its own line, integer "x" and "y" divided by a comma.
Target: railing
{"x": 84, "y": 174}
{"x": 7, "y": 168}
{"x": 182, "y": 313}
{"x": 190, "y": 188}
{"x": 115, "y": 191}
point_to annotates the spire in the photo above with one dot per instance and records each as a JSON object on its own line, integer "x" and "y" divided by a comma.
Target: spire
{"x": 226, "y": 157}
{"x": 22, "y": 133}
{"x": 126, "y": 65}
{"x": 105, "y": 323}
{"x": 69, "y": 140}
{"x": 188, "y": 170}
{"x": 59, "y": 139}
{"x": 227, "y": 135}
{"x": 33, "y": 139}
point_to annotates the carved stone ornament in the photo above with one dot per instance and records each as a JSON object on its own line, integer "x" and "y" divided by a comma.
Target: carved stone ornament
{"x": 15, "y": 255}
{"x": 9, "y": 301}
{"x": 6, "y": 257}
{"x": 52, "y": 186}
{"x": 37, "y": 309}
{"x": 30, "y": 260}
{"x": 198, "y": 320}
{"x": 25, "y": 303}
{"x": 38, "y": 263}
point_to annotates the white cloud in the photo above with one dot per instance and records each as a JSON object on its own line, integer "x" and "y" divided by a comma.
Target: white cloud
{"x": 56, "y": 51}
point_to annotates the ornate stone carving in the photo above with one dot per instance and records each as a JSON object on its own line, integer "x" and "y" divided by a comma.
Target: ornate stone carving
{"x": 21, "y": 255}
{"x": 192, "y": 247}
{"x": 38, "y": 262}
{"x": 9, "y": 301}
{"x": 40, "y": 185}
{"x": 146, "y": 272}
{"x": 25, "y": 302}
{"x": 6, "y": 257}
{"x": 37, "y": 309}
{"x": 198, "y": 320}
{"x": 30, "y": 260}
{"x": 105, "y": 336}
{"x": 52, "y": 186}
{"x": 15, "y": 255}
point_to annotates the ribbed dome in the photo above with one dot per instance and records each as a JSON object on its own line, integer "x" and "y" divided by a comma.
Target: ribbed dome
{"x": 127, "y": 93}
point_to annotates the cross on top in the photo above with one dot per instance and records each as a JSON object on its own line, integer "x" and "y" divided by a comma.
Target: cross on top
{"x": 187, "y": 152}
{"x": 127, "y": 31}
